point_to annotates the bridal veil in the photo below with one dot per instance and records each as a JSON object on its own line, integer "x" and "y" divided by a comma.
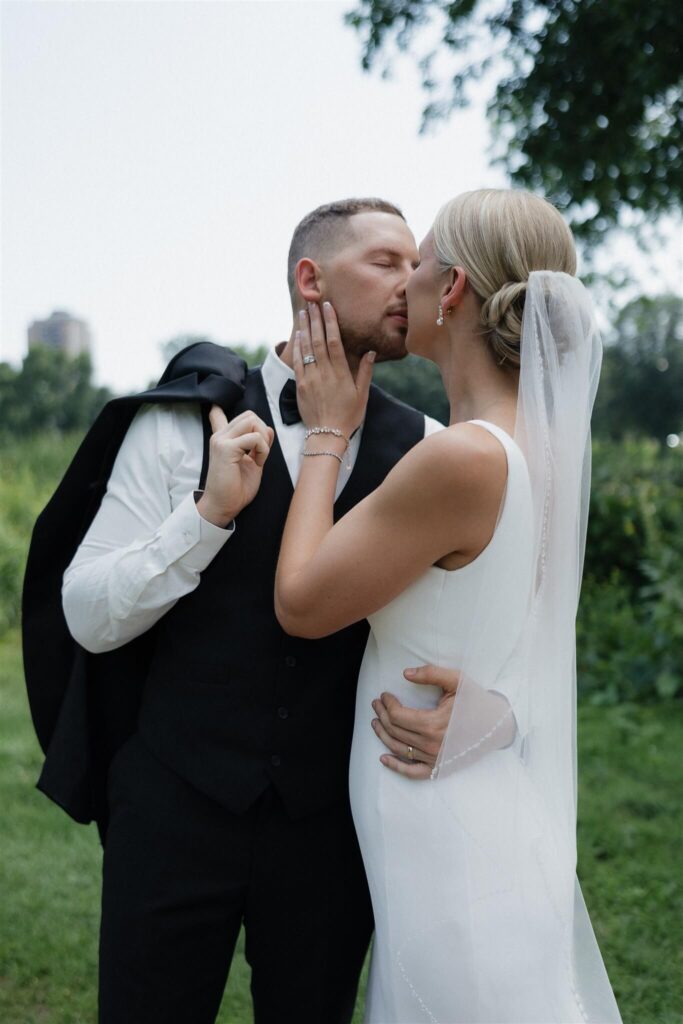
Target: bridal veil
{"x": 517, "y": 905}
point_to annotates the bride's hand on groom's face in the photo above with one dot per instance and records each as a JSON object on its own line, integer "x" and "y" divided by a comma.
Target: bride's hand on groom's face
{"x": 413, "y": 736}
{"x": 326, "y": 392}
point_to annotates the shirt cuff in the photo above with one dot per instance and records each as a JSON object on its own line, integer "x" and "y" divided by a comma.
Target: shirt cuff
{"x": 188, "y": 538}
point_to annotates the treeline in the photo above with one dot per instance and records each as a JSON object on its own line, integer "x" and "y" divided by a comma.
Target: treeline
{"x": 640, "y": 395}
{"x": 51, "y": 391}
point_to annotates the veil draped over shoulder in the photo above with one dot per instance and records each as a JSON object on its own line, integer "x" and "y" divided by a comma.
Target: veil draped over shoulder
{"x": 517, "y": 908}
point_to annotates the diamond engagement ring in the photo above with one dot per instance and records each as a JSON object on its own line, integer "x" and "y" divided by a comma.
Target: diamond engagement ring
{"x": 410, "y": 754}
{"x": 309, "y": 359}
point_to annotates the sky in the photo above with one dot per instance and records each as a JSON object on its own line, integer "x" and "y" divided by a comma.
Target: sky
{"x": 157, "y": 155}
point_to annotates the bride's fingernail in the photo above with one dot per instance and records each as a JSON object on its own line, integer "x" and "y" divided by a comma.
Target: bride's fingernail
{"x": 410, "y": 672}
{"x": 371, "y": 357}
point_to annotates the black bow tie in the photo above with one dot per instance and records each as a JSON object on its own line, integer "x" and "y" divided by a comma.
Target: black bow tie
{"x": 289, "y": 410}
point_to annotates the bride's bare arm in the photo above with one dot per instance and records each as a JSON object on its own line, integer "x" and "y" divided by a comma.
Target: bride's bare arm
{"x": 442, "y": 497}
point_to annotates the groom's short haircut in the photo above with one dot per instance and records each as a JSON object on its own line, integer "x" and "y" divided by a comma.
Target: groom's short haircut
{"x": 326, "y": 229}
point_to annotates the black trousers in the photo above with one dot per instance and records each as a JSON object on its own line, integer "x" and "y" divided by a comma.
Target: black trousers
{"x": 181, "y": 874}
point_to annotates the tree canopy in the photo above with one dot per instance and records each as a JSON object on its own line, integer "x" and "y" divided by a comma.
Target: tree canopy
{"x": 51, "y": 392}
{"x": 641, "y": 385}
{"x": 588, "y": 106}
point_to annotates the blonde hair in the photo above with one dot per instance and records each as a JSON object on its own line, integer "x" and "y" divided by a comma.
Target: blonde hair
{"x": 498, "y": 236}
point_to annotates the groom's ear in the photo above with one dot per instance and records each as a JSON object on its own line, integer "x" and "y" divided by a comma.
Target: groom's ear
{"x": 308, "y": 280}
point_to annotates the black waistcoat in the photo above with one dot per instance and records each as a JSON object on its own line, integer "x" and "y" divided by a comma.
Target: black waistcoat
{"x": 231, "y": 702}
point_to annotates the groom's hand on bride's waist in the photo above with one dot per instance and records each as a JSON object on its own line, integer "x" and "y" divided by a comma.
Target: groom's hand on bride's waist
{"x": 413, "y": 736}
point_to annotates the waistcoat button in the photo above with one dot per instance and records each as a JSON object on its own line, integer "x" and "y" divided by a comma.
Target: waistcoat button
{"x": 275, "y": 760}
{"x": 290, "y": 661}
{"x": 282, "y": 713}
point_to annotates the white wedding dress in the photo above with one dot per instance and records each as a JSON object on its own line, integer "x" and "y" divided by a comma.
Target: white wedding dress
{"x": 453, "y": 945}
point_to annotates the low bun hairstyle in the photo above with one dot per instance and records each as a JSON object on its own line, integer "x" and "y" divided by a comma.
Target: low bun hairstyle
{"x": 499, "y": 236}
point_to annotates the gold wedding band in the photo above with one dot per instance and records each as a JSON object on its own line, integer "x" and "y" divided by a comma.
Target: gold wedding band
{"x": 410, "y": 754}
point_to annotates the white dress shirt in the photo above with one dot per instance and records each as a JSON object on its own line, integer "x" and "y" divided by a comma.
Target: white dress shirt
{"x": 148, "y": 544}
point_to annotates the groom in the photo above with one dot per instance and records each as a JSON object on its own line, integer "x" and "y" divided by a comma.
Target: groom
{"x": 229, "y": 804}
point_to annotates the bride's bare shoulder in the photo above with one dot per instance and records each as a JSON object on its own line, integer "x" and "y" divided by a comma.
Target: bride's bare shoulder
{"x": 461, "y": 459}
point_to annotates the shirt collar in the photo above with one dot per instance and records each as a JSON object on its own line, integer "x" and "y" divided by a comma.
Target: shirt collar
{"x": 275, "y": 374}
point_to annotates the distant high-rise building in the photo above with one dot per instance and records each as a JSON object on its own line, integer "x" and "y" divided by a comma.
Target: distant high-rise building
{"x": 61, "y": 331}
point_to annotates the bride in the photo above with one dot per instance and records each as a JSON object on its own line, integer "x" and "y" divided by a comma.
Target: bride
{"x": 469, "y": 556}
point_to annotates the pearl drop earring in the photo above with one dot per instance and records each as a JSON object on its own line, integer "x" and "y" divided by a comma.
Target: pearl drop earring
{"x": 439, "y": 319}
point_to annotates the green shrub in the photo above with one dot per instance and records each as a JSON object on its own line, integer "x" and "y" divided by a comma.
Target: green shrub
{"x": 630, "y": 622}
{"x": 30, "y": 469}
{"x": 636, "y": 497}
{"x": 616, "y": 659}
{"x": 12, "y": 557}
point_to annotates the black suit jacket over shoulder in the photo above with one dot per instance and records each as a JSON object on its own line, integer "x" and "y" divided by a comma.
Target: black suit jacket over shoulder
{"x": 83, "y": 706}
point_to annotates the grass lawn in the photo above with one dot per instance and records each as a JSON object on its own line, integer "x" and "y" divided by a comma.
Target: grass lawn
{"x": 629, "y": 859}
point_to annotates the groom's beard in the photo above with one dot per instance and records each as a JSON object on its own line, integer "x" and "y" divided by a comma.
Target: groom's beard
{"x": 388, "y": 341}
